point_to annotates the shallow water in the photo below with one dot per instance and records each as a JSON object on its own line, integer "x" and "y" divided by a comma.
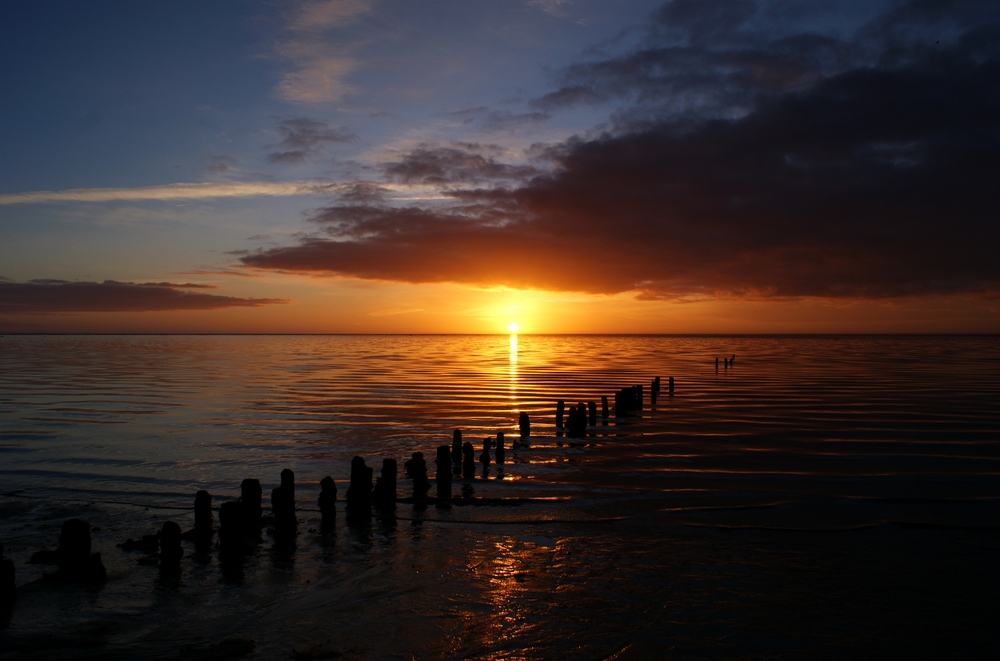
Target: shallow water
{"x": 823, "y": 497}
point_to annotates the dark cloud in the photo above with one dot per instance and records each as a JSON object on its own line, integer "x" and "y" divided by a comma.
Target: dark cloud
{"x": 501, "y": 120}
{"x": 53, "y": 296}
{"x": 219, "y": 163}
{"x": 458, "y": 162}
{"x": 875, "y": 181}
{"x": 303, "y": 137}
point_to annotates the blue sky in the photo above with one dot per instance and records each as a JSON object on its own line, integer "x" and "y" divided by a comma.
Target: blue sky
{"x": 420, "y": 162}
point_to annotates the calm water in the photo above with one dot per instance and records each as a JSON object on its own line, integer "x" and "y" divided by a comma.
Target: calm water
{"x": 824, "y": 497}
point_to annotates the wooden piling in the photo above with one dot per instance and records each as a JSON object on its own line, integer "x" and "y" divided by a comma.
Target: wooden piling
{"x": 468, "y": 461}
{"x": 203, "y": 514}
{"x": 500, "y": 448}
{"x": 456, "y": 446}
{"x": 604, "y": 406}
{"x": 384, "y": 493}
{"x": 359, "y": 493}
{"x": 560, "y": 405}
{"x": 592, "y": 406}
{"x": 524, "y": 425}
{"x": 250, "y": 497}
{"x": 327, "y": 497}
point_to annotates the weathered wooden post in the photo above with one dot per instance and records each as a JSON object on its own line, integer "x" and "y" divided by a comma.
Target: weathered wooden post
{"x": 417, "y": 468}
{"x": 604, "y": 406}
{"x": 171, "y": 550}
{"x": 670, "y": 385}
{"x": 8, "y": 589}
{"x": 500, "y": 449}
{"x": 456, "y": 446}
{"x": 468, "y": 461}
{"x": 524, "y": 425}
{"x": 73, "y": 556}
{"x": 593, "y": 413}
{"x": 202, "y": 515}
{"x": 560, "y": 405}
{"x": 283, "y": 507}
{"x": 327, "y": 497}
{"x": 250, "y": 497}
{"x": 384, "y": 493}
{"x": 716, "y": 362}
{"x": 232, "y": 527}
{"x": 484, "y": 458}
{"x": 359, "y": 493}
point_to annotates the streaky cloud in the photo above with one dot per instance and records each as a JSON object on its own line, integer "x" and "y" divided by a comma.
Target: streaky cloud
{"x": 172, "y": 192}
{"x": 47, "y": 296}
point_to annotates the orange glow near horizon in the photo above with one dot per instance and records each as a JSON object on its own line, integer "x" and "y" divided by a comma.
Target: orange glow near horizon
{"x": 340, "y": 305}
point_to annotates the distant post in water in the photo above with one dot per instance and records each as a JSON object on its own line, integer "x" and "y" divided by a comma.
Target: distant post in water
{"x": 417, "y": 468}
{"x": 468, "y": 461}
{"x": 283, "y": 507}
{"x": 171, "y": 550}
{"x": 202, "y": 514}
{"x": 500, "y": 448}
{"x": 670, "y": 385}
{"x": 359, "y": 493}
{"x": 592, "y": 406}
{"x": 327, "y": 497}
{"x": 484, "y": 458}
{"x": 559, "y": 414}
{"x": 384, "y": 493}
{"x": 716, "y": 362}
{"x": 250, "y": 497}
{"x": 288, "y": 479}
{"x": 604, "y": 406}
{"x": 456, "y": 446}
{"x": 524, "y": 425}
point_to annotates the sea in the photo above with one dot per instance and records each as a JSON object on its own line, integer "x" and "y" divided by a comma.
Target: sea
{"x": 826, "y": 497}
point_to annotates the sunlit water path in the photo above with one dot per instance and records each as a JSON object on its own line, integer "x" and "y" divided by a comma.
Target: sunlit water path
{"x": 823, "y": 493}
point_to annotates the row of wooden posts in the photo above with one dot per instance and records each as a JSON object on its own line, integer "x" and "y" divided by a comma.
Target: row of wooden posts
{"x": 241, "y": 521}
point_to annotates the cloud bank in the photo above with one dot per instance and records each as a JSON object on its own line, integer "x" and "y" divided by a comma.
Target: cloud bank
{"x": 749, "y": 156}
{"x": 56, "y": 296}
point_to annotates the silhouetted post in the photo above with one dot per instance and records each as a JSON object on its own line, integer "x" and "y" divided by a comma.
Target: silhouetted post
{"x": 484, "y": 458}
{"x": 76, "y": 562}
{"x": 593, "y": 413}
{"x": 524, "y": 425}
{"x": 203, "y": 515}
{"x": 283, "y": 506}
{"x": 653, "y": 391}
{"x": 604, "y": 406}
{"x": 732, "y": 359}
{"x": 417, "y": 468}
{"x": 288, "y": 479}
{"x": 232, "y": 530}
{"x": 170, "y": 545}
{"x": 500, "y": 448}
{"x": 250, "y": 496}
{"x": 559, "y": 413}
{"x": 327, "y": 497}
{"x": 384, "y": 493}
{"x": 716, "y": 362}
{"x": 456, "y": 446}
{"x": 670, "y": 385}
{"x": 656, "y": 385}
{"x": 359, "y": 493}
{"x": 8, "y": 589}
{"x": 468, "y": 461}
{"x": 725, "y": 363}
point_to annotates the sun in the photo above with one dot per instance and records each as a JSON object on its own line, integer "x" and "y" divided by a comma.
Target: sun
{"x": 513, "y": 328}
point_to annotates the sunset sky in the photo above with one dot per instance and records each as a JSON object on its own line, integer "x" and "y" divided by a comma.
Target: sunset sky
{"x": 574, "y": 166}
